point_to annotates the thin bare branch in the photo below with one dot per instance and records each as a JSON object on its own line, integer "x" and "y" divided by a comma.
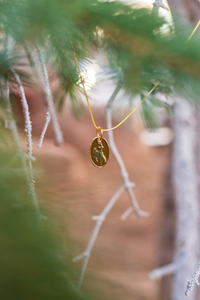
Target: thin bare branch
{"x": 47, "y": 121}
{"x": 128, "y": 185}
{"x": 99, "y": 221}
{"x": 163, "y": 271}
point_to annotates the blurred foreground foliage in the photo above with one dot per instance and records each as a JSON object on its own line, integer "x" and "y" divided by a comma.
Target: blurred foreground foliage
{"x": 138, "y": 51}
{"x": 31, "y": 258}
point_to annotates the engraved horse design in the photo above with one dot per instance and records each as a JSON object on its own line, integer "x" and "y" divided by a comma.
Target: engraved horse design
{"x": 98, "y": 155}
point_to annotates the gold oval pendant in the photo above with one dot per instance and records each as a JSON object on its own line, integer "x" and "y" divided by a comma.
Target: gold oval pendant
{"x": 99, "y": 152}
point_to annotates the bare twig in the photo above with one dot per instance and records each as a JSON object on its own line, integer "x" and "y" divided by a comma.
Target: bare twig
{"x": 51, "y": 113}
{"x": 99, "y": 221}
{"x": 163, "y": 271}
{"x": 157, "y": 4}
{"x": 128, "y": 185}
{"x": 194, "y": 280}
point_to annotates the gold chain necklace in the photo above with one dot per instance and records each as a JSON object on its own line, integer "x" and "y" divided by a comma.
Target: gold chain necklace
{"x": 99, "y": 148}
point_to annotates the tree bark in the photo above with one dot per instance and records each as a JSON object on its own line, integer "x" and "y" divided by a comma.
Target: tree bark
{"x": 185, "y": 175}
{"x": 185, "y": 180}
{"x": 189, "y": 11}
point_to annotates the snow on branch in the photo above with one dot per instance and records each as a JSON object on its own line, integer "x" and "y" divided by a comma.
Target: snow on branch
{"x": 51, "y": 113}
{"x": 193, "y": 281}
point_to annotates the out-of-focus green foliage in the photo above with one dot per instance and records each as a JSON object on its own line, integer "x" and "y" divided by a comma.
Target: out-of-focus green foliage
{"x": 32, "y": 265}
{"x": 138, "y": 51}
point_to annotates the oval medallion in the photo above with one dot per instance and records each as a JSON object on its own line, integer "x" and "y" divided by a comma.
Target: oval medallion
{"x": 99, "y": 152}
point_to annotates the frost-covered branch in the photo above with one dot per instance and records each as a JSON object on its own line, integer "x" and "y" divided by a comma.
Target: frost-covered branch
{"x": 47, "y": 121}
{"x": 99, "y": 221}
{"x": 194, "y": 280}
{"x": 34, "y": 64}
{"x": 28, "y": 125}
{"x": 9, "y": 45}
{"x": 51, "y": 113}
{"x": 26, "y": 160}
{"x": 128, "y": 185}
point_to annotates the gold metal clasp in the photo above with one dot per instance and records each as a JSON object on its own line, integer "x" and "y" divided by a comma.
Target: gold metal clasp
{"x": 99, "y": 133}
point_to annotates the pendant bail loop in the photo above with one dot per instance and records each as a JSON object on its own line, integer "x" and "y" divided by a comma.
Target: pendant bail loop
{"x": 99, "y": 133}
